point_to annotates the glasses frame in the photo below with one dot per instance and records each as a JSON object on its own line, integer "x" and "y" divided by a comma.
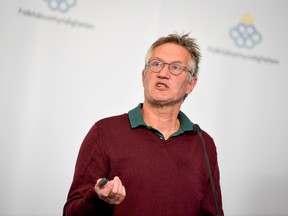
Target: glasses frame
{"x": 169, "y": 64}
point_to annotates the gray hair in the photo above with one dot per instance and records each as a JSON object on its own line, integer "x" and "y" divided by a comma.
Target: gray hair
{"x": 184, "y": 41}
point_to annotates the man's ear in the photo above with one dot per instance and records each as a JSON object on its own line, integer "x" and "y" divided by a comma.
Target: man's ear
{"x": 143, "y": 75}
{"x": 191, "y": 86}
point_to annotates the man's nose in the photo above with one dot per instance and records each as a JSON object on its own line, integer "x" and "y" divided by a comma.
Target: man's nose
{"x": 165, "y": 70}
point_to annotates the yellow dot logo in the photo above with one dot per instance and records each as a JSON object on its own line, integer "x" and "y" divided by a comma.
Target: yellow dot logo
{"x": 245, "y": 34}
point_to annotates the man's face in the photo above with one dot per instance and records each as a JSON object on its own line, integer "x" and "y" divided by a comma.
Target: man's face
{"x": 164, "y": 88}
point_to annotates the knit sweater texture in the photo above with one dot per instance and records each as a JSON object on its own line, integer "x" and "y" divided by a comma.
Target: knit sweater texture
{"x": 161, "y": 177}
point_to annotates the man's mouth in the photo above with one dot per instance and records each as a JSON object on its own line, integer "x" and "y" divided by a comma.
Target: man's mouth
{"x": 161, "y": 85}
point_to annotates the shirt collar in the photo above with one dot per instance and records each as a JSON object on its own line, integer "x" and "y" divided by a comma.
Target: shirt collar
{"x": 135, "y": 117}
{"x": 136, "y": 120}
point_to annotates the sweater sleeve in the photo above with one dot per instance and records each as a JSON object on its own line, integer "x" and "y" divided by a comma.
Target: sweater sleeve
{"x": 90, "y": 166}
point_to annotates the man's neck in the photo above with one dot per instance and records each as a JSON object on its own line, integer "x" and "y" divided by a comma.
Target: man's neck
{"x": 162, "y": 118}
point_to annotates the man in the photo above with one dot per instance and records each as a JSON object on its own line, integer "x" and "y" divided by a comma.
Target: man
{"x": 153, "y": 160}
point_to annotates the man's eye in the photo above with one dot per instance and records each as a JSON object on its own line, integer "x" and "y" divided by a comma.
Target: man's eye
{"x": 177, "y": 67}
{"x": 156, "y": 64}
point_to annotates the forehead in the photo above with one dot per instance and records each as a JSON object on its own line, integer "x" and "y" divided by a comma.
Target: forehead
{"x": 171, "y": 52}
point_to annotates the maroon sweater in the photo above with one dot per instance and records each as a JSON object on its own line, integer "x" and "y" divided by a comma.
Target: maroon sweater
{"x": 161, "y": 177}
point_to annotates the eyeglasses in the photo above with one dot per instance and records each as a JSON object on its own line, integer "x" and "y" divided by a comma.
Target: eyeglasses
{"x": 175, "y": 68}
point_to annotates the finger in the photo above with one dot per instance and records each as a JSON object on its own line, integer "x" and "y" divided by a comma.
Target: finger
{"x": 115, "y": 190}
{"x": 121, "y": 195}
{"x": 104, "y": 191}
{"x": 118, "y": 192}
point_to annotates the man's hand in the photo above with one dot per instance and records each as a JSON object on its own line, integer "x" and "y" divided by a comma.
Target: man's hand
{"x": 113, "y": 192}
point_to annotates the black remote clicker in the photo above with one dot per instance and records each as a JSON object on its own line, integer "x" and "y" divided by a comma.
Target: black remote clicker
{"x": 102, "y": 182}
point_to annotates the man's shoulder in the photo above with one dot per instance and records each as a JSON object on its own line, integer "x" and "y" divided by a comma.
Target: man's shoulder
{"x": 114, "y": 121}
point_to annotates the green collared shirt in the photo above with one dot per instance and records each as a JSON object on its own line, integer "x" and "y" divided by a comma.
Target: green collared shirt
{"x": 136, "y": 120}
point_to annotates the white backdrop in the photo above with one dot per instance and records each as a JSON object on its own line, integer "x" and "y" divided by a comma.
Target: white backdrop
{"x": 61, "y": 71}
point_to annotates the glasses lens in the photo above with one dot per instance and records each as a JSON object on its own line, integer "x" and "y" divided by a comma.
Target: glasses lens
{"x": 176, "y": 68}
{"x": 155, "y": 65}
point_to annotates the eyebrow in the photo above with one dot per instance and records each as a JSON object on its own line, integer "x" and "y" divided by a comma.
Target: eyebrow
{"x": 157, "y": 58}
